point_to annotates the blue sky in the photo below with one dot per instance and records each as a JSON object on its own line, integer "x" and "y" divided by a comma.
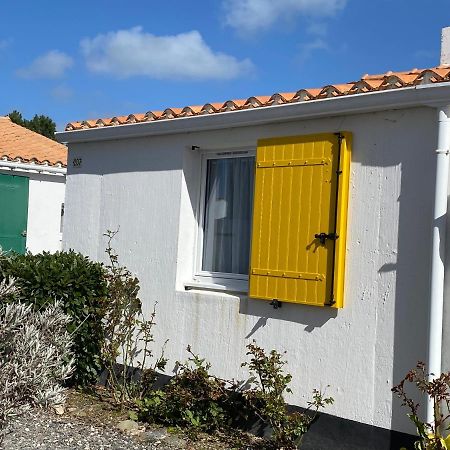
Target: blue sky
{"x": 80, "y": 60}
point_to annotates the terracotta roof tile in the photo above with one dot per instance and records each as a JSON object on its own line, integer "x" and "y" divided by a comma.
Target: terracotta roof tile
{"x": 367, "y": 83}
{"x": 19, "y": 143}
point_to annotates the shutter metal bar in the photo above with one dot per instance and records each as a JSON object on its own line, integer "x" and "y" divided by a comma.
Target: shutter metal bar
{"x": 295, "y": 162}
{"x": 288, "y": 274}
{"x": 340, "y": 137}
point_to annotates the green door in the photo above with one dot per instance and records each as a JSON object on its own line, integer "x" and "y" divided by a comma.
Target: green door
{"x": 13, "y": 212}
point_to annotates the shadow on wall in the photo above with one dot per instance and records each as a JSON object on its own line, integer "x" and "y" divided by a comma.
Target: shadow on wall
{"x": 381, "y": 145}
{"x": 310, "y": 316}
{"x": 412, "y": 277}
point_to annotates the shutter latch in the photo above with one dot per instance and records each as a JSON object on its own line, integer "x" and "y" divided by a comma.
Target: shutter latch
{"x": 276, "y": 304}
{"x": 324, "y": 236}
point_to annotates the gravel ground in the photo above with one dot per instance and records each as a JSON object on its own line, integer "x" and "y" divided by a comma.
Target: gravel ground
{"x": 40, "y": 429}
{"x": 87, "y": 423}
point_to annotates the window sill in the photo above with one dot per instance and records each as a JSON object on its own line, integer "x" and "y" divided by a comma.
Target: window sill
{"x": 234, "y": 286}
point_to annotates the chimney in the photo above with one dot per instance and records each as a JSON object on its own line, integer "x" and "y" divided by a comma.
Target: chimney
{"x": 445, "y": 47}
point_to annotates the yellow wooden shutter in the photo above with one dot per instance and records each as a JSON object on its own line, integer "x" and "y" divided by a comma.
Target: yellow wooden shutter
{"x": 301, "y": 189}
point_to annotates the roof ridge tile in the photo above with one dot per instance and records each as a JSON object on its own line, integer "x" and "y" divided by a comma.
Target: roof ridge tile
{"x": 367, "y": 83}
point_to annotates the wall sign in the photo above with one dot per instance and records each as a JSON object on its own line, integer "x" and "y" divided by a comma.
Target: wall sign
{"x": 77, "y": 162}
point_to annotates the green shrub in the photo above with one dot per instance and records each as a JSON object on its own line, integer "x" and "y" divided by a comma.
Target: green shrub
{"x": 80, "y": 286}
{"x": 194, "y": 399}
{"x": 266, "y": 398}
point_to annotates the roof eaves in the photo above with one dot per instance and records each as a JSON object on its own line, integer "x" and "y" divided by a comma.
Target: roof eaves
{"x": 367, "y": 83}
{"x": 371, "y": 101}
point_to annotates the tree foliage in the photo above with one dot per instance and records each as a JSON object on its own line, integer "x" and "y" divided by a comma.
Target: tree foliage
{"x": 39, "y": 123}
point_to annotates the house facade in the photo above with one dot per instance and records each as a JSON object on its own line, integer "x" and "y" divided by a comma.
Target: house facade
{"x": 32, "y": 187}
{"x": 303, "y": 221}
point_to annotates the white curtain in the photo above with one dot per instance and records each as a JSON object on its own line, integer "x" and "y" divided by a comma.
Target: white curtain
{"x": 228, "y": 212}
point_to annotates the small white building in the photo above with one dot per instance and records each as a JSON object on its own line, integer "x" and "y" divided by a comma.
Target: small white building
{"x": 32, "y": 186}
{"x": 347, "y": 235}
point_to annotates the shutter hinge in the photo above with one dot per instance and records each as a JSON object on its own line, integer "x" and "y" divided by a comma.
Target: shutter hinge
{"x": 340, "y": 136}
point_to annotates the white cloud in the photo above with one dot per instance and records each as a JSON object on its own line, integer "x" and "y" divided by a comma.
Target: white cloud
{"x": 61, "y": 93}
{"x": 307, "y": 49}
{"x": 317, "y": 29}
{"x": 127, "y": 53}
{"x": 253, "y": 15}
{"x": 52, "y": 64}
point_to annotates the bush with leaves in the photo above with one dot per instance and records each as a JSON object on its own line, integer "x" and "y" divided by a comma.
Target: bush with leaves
{"x": 127, "y": 335}
{"x": 35, "y": 355}
{"x": 432, "y": 435}
{"x": 194, "y": 399}
{"x": 267, "y": 398}
{"x": 79, "y": 285}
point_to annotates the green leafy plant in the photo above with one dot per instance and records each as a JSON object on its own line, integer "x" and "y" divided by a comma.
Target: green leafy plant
{"x": 434, "y": 435}
{"x": 198, "y": 401}
{"x": 79, "y": 285}
{"x": 267, "y": 398}
{"x": 194, "y": 399}
{"x": 127, "y": 334}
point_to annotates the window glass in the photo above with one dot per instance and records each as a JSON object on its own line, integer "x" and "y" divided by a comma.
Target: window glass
{"x": 228, "y": 211}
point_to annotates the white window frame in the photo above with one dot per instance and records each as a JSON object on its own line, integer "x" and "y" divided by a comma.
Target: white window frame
{"x": 215, "y": 280}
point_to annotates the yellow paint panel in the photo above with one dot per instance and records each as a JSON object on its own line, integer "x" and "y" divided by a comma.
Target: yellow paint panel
{"x": 296, "y": 190}
{"x": 341, "y": 219}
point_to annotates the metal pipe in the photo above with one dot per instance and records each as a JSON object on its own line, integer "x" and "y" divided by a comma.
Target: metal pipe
{"x": 13, "y": 165}
{"x": 438, "y": 250}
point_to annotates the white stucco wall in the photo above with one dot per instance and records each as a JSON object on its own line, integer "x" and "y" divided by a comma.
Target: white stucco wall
{"x": 149, "y": 187}
{"x": 45, "y": 197}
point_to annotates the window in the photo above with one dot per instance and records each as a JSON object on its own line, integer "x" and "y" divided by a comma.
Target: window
{"x": 289, "y": 207}
{"x": 225, "y": 219}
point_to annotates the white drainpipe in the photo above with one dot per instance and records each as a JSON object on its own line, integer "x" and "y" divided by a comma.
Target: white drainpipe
{"x": 439, "y": 231}
{"x": 438, "y": 249}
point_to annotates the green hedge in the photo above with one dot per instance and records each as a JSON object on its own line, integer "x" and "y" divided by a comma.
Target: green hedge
{"x": 81, "y": 287}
